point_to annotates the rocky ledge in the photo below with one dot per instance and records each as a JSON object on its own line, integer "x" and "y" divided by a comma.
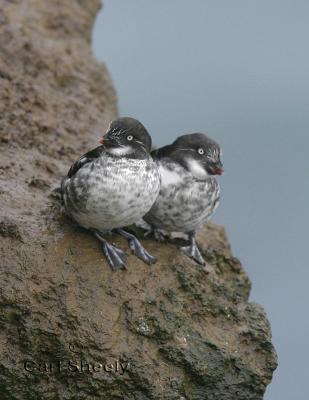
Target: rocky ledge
{"x": 70, "y": 327}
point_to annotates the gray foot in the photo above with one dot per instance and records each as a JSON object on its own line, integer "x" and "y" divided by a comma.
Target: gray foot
{"x": 116, "y": 258}
{"x": 137, "y": 248}
{"x": 159, "y": 235}
{"x": 192, "y": 250}
{"x": 148, "y": 232}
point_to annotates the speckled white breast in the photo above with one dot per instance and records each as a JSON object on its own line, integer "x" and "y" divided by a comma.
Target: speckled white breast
{"x": 111, "y": 192}
{"x": 184, "y": 203}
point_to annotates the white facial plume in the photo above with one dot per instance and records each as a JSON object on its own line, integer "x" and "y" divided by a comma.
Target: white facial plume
{"x": 120, "y": 151}
{"x": 196, "y": 168}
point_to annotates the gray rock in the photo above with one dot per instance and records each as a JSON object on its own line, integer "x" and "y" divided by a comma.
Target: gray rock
{"x": 70, "y": 327}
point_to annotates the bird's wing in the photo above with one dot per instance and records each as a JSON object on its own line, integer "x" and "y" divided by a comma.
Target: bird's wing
{"x": 85, "y": 159}
{"x": 162, "y": 152}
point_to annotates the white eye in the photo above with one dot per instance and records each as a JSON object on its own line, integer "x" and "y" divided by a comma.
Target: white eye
{"x": 200, "y": 151}
{"x": 130, "y": 137}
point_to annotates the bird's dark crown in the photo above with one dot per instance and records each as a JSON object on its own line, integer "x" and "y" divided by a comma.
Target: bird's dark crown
{"x": 193, "y": 151}
{"x": 127, "y": 133}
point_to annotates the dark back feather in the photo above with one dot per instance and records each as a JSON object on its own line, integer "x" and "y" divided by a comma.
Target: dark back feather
{"x": 84, "y": 159}
{"x": 162, "y": 152}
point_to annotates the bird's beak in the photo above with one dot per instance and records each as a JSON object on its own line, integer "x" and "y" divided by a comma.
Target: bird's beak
{"x": 219, "y": 171}
{"x": 106, "y": 140}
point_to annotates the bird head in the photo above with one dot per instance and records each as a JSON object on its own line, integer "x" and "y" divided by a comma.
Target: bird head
{"x": 198, "y": 154}
{"x": 126, "y": 136}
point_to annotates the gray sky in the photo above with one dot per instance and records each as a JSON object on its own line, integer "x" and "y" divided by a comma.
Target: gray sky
{"x": 237, "y": 70}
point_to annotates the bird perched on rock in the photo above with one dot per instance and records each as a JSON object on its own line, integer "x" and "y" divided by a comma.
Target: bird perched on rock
{"x": 114, "y": 185}
{"x": 189, "y": 191}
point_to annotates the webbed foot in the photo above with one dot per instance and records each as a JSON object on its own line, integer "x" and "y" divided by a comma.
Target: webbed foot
{"x": 137, "y": 248}
{"x": 193, "y": 251}
{"x": 116, "y": 258}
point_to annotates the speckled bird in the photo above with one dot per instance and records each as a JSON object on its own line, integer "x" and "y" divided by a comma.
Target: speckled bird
{"x": 189, "y": 191}
{"x": 114, "y": 185}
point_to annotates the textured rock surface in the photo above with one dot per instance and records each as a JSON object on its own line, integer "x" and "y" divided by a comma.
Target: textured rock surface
{"x": 187, "y": 332}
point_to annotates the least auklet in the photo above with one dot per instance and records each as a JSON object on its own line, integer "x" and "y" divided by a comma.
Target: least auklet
{"x": 114, "y": 185}
{"x": 189, "y": 191}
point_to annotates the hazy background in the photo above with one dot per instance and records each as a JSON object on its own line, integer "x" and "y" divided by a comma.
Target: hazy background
{"x": 237, "y": 70}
